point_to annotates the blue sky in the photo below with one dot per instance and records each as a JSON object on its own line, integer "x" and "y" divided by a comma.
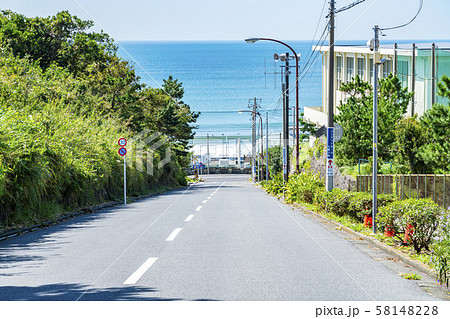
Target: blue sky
{"x": 173, "y": 20}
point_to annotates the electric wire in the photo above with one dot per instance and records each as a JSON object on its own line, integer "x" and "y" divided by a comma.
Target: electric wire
{"x": 129, "y": 55}
{"x": 404, "y": 25}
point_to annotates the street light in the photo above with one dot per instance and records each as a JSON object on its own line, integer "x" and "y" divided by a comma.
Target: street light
{"x": 262, "y": 137}
{"x": 253, "y": 40}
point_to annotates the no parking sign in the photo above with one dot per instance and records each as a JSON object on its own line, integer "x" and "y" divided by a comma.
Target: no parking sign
{"x": 122, "y": 152}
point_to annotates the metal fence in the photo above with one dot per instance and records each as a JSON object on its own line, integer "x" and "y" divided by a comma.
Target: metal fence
{"x": 436, "y": 187}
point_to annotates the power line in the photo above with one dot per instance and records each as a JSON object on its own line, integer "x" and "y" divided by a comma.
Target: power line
{"x": 351, "y": 5}
{"x": 404, "y": 25}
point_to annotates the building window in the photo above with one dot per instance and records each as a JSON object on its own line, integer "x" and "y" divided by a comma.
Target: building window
{"x": 387, "y": 68}
{"x": 350, "y": 69}
{"x": 403, "y": 72}
{"x": 339, "y": 71}
{"x": 371, "y": 71}
{"x": 361, "y": 66}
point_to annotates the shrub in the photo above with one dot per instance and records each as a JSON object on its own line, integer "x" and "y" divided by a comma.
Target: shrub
{"x": 336, "y": 202}
{"x": 274, "y": 186}
{"x": 441, "y": 249}
{"x": 390, "y": 215}
{"x": 302, "y": 187}
{"x": 422, "y": 214}
{"x": 360, "y": 204}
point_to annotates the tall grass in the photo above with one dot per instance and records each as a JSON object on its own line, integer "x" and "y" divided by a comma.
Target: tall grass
{"x": 54, "y": 154}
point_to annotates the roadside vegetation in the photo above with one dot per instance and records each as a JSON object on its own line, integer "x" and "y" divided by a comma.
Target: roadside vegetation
{"x": 418, "y": 227}
{"x": 65, "y": 99}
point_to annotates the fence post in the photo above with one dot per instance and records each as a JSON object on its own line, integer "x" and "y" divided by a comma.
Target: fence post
{"x": 403, "y": 182}
{"x": 417, "y": 186}
{"x": 409, "y": 185}
{"x": 434, "y": 188}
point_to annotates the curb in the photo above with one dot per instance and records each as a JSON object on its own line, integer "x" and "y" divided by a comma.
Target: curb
{"x": 83, "y": 211}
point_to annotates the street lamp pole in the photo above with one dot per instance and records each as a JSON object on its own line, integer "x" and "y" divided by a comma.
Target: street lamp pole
{"x": 253, "y": 40}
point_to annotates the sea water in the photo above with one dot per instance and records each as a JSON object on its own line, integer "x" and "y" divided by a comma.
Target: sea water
{"x": 222, "y": 78}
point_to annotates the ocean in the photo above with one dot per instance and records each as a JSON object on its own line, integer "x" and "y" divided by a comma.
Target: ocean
{"x": 221, "y": 78}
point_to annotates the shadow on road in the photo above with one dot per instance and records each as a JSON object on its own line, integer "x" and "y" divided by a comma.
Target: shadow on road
{"x": 71, "y": 292}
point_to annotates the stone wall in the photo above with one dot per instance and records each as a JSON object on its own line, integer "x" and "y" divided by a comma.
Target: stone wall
{"x": 317, "y": 163}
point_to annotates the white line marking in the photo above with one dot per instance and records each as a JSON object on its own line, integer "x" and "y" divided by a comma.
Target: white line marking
{"x": 189, "y": 218}
{"x": 209, "y": 197}
{"x": 140, "y": 272}
{"x": 173, "y": 234}
{"x": 198, "y": 208}
{"x": 204, "y": 201}
{"x": 212, "y": 194}
{"x": 134, "y": 242}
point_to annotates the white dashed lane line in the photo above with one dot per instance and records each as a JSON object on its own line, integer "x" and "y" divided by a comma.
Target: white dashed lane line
{"x": 189, "y": 218}
{"x": 140, "y": 272}
{"x": 173, "y": 234}
{"x": 198, "y": 208}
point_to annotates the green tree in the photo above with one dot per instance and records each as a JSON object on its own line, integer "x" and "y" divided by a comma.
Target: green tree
{"x": 355, "y": 116}
{"x": 436, "y": 152}
{"x": 410, "y": 136}
{"x": 60, "y": 39}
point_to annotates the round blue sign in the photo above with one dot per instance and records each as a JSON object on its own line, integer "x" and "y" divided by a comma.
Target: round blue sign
{"x": 122, "y": 151}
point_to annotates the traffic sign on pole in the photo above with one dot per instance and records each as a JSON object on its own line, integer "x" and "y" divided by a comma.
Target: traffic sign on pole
{"x": 122, "y": 151}
{"x": 122, "y": 142}
{"x": 330, "y": 151}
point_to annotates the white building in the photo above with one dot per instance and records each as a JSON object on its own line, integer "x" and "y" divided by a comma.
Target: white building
{"x": 419, "y": 66}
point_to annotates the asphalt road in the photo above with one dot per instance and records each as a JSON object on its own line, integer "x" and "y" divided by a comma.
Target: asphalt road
{"x": 223, "y": 239}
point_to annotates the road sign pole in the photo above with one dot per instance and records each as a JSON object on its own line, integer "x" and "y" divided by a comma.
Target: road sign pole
{"x": 124, "y": 180}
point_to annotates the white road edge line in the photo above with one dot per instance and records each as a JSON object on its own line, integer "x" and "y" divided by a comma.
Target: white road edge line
{"x": 173, "y": 234}
{"x": 198, "y": 208}
{"x": 140, "y": 272}
{"x": 189, "y": 218}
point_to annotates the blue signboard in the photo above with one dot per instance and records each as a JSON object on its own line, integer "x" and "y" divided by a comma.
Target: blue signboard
{"x": 330, "y": 151}
{"x": 284, "y": 161}
{"x": 330, "y": 144}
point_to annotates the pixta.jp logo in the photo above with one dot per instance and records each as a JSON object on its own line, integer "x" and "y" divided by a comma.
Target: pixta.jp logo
{"x": 144, "y": 146}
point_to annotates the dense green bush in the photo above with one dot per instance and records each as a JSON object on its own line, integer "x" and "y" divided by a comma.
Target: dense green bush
{"x": 441, "y": 249}
{"x": 62, "y": 108}
{"x": 336, "y": 202}
{"x": 275, "y": 186}
{"x": 422, "y": 214}
{"x": 302, "y": 187}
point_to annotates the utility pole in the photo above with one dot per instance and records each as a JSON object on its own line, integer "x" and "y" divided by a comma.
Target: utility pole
{"x": 286, "y": 120}
{"x": 376, "y": 62}
{"x": 262, "y": 148}
{"x": 433, "y": 74}
{"x": 254, "y": 107}
{"x": 330, "y": 130}
{"x": 239, "y": 152}
{"x": 285, "y": 136}
{"x": 207, "y": 149}
{"x": 267, "y": 146}
{"x": 413, "y": 76}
